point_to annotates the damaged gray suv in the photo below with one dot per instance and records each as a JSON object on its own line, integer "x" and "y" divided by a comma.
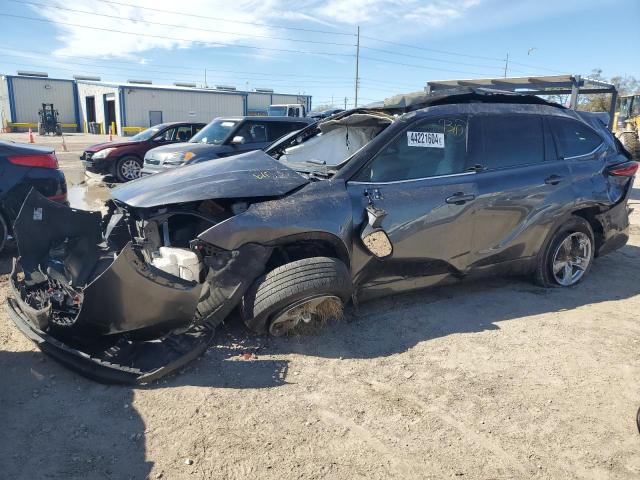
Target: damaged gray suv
{"x": 427, "y": 190}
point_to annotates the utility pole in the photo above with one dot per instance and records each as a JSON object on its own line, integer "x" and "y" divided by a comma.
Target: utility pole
{"x": 345, "y": 103}
{"x": 205, "y": 78}
{"x": 357, "y": 68}
{"x": 506, "y": 65}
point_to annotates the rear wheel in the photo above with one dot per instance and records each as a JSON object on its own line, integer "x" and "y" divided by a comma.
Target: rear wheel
{"x": 311, "y": 289}
{"x": 128, "y": 168}
{"x": 568, "y": 256}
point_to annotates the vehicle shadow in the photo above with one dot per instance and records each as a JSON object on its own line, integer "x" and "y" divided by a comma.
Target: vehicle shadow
{"x": 58, "y": 425}
{"x": 394, "y": 324}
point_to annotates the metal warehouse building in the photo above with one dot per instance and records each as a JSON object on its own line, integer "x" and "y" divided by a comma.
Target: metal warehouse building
{"x": 22, "y": 96}
{"x": 88, "y": 104}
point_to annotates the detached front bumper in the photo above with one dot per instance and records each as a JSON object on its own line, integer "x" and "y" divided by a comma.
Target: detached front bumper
{"x": 120, "y": 362}
{"x": 114, "y": 318}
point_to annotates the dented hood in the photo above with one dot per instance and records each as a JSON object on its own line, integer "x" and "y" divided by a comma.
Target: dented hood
{"x": 252, "y": 174}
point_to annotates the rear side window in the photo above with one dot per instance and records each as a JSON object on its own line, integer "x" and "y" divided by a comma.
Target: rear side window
{"x": 253, "y": 132}
{"x": 428, "y": 148}
{"x": 502, "y": 141}
{"x": 280, "y": 129}
{"x": 573, "y": 139}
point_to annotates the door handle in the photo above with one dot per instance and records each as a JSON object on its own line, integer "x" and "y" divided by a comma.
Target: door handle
{"x": 459, "y": 198}
{"x": 553, "y": 180}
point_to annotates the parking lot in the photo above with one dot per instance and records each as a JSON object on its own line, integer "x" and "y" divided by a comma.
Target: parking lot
{"x": 500, "y": 379}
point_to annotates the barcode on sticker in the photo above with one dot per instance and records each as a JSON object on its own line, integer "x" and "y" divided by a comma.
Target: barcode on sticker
{"x": 425, "y": 139}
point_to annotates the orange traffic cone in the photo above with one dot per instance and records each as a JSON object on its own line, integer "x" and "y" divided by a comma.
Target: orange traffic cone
{"x": 110, "y": 135}
{"x": 64, "y": 145}
{"x": 31, "y": 140}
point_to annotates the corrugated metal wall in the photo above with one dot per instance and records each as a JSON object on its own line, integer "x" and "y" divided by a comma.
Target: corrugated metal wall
{"x": 87, "y": 89}
{"x": 258, "y": 102}
{"x": 30, "y": 93}
{"x": 5, "y": 112}
{"x": 178, "y": 105}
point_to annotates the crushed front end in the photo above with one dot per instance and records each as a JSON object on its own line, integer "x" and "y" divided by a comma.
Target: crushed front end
{"x": 128, "y": 297}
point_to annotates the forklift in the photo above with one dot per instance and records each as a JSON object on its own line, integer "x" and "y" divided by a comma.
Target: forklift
{"x": 626, "y": 123}
{"x": 49, "y": 123}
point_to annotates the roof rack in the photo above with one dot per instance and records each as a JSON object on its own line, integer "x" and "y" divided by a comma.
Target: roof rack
{"x": 573, "y": 85}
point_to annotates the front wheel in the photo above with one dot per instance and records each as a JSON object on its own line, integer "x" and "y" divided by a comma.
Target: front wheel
{"x": 568, "y": 256}
{"x": 128, "y": 168}
{"x": 311, "y": 289}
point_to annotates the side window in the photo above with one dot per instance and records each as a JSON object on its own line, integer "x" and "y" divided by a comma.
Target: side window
{"x": 573, "y": 138}
{"x": 502, "y": 141}
{"x": 279, "y": 129}
{"x": 183, "y": 133}
{"x": 253, "y": 132}
{"x": 168, "y": 135}
{"x": 427, "y": 148}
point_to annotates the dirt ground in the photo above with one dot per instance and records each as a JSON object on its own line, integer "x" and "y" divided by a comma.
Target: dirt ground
{"x": 496, "y": 380}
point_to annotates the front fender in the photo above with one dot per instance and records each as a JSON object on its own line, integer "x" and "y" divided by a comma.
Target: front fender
{"x": 320, "y": 210}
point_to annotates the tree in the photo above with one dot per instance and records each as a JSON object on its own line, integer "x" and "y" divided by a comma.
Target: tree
{"x": 600, "y": 102}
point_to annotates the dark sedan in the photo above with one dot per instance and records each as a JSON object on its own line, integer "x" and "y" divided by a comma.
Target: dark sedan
{"x": 23, "y": 167}
{"x": 124, "y": 159}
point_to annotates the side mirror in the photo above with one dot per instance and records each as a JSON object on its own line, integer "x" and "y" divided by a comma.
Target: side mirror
{"x": 237, "y": 140}
{"x": 373, "y": 237}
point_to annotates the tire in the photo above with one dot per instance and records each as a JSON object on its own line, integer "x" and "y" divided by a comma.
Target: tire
{"x": 630, "y": 142}
{"x": 4, "y": 233}
{"x": 292, "y": 284}
{"x": 125, "y": 170}
{"x": 578, "y": 230}
{"x": 58, "y": 130}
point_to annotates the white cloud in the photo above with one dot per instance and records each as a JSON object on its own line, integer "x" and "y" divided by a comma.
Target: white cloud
{"x": 188, "y": 31}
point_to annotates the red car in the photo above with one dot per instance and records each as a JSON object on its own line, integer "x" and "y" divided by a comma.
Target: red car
{"x": 124, "y": 160}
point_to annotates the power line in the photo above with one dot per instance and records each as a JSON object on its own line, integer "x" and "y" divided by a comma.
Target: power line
{"x": 275, "y": 83}
{"x": 163, "y": 37}
{"x": 444, "y": 52}
{"x": 431, "y": 59}
{"x": 220, "y": 19}
{"x": 180, "y": 67}
{"x": 422, "y": 66}
{"x": 189, "y": 75}
{"x": 179, "y": 26}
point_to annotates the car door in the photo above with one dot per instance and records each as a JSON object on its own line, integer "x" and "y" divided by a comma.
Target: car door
{"x": 420, "y": 180}
{"x": 521, "y": 182}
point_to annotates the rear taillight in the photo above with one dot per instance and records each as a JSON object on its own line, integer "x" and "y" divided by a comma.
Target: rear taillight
{"x": 47, "y": 160}
{"x": 627, "y": 169}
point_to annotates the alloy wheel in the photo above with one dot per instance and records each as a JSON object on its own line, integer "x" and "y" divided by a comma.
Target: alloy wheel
{"x": 571, "y": 259}
{"x": 130, "y": 169}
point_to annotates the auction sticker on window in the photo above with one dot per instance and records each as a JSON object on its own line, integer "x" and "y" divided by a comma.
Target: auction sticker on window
{"x": 425, "y": 139}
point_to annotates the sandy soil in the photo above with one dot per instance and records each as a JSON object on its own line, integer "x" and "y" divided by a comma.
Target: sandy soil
{"x": 495, "y": 380}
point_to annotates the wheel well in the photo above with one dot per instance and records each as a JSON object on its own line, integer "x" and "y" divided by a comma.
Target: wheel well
{"x": 290, "y": 252}
{"x": 589, "y": 214}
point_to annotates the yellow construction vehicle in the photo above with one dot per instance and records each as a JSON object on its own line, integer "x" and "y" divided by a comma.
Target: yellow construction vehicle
{"x": 626, "y": 123}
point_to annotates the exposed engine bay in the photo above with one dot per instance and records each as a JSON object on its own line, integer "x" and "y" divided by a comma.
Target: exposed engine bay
{"x": 136, "y": 276}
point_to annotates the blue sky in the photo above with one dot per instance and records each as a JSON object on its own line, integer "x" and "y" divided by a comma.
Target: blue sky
{"x": 404, "y": 43}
